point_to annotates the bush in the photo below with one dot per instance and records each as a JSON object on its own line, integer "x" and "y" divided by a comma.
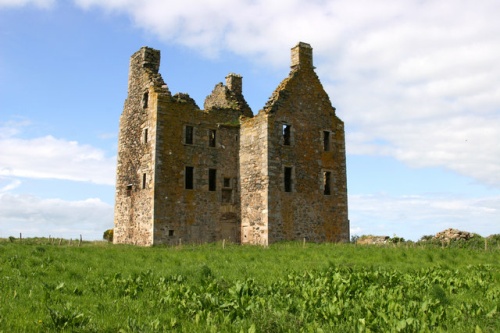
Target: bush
{"x": 396, "y": 239}
{"x": 426, "y": 238}
{"x": 108, "y": 235}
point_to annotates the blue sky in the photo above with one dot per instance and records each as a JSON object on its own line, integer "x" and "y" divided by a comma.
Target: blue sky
{"x": 417, "y": 84}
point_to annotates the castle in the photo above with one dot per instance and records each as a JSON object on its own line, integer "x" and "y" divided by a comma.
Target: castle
{"x": 189, "y": 175}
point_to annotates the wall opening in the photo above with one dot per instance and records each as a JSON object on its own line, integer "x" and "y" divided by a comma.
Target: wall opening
{"x": 170, "y": 232}
{"x": 145, "y": 100}
{"x": 288, "y": 179}
{"x": 212, "y": 179}
{"x": 327, "y": 183}
{"x": 286, "y": 131}
{"x": 145, "y": 135}
{"x": 189, "y": 178}
{"x": 326, "y": 140}
{"x": 189, "y": 135}
{"x": 211, "y": 138}
{"x": 143, "y": 181}
{"x": 129, "y": 190}
{"x": 227, "y": 182}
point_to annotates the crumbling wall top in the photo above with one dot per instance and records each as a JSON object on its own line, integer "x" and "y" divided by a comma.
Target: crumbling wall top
{"x": 147, "y": 57}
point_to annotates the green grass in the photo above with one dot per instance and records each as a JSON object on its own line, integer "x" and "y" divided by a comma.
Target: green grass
{"x": 99, "y": 287}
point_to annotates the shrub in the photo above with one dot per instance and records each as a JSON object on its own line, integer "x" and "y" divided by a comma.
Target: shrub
{"x": 108, "y": 235}
{"x": 426, "y": 238}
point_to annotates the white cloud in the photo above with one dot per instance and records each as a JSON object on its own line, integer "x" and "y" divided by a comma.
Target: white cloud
{"x": 413, "y": 216}
{"x": 21, "y": 3}
{"x": 36, "y": 217}
{"x": 49, "y": 157}
{"x": 7, "y": 184}
{"x": 417, "y": 80}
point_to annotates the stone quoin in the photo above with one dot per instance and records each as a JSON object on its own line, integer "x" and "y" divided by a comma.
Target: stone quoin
{"x": 192, "y": 176}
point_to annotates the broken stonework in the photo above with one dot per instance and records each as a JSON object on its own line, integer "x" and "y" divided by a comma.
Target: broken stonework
{"x": 372, "y": 240}
{"x": 453, "y": 234}
{"x": 189, "y": 175}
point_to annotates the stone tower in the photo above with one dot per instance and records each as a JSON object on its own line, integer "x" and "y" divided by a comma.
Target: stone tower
{"x": 222, "y": 173}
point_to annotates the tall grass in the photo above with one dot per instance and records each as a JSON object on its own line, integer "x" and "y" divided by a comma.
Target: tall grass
{"x": 287, "y": 287}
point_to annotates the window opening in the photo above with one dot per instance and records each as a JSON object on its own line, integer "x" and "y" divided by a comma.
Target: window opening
{"x": 288, "y": 179}
{"x": 227, "y": 182}
{"x": 189, "y": 178}
{"x": 189, "y": 134}
{"x": 145, "y": 100}
{"x": 143, "y": 181}
{"x": 212, "y": 179}
{"x": 326, "y": 141}
{"x": 129, "y": 190}
{"x": 145, "y": 135}
{"x": 211, "y": 138}
{"x": 286, "y": 134}
{"x": 170, "y": 233}
{"x": 327, "y": 176}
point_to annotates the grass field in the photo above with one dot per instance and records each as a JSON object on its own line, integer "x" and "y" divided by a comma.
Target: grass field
{"x": 288, "y": 287}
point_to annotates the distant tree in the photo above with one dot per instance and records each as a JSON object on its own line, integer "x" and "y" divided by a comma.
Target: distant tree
{"x": 354, "y": 238}
{"x": 108, "y": 235}
{"x": 426, "y": 238}
{"x": 395, "y": 239}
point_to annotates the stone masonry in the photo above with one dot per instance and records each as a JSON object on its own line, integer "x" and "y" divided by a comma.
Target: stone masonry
{"x": 189, "y": 175}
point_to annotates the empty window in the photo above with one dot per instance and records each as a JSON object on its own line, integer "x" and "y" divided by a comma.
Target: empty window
{"x": 212, "y": 179}
{"x": 288, "y": 179}
{"x": 227, "y": 182}
{"x": 211, "y": 138}
{"x": 326, "y": 140}
{"x": 145, "y": 135}
{"x": 129, "y": 190}
{"x": 327, "y": 182}
{"x": 143, "y": 181}
{"x": 286, "y": 134}
{"x": 189, "y": 178}
{"x": 188, "y": 135}
{"x": 170, "y": 233}
{"x": 145, "y": 100}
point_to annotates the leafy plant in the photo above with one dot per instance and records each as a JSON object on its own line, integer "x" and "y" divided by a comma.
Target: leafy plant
{"x": 108, "y": 235}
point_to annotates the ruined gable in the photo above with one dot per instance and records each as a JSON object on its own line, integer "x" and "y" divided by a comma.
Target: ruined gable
{"x": 228, "y": 96}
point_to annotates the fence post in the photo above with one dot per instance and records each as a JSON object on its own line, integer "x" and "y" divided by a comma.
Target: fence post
{"x": 223, "y": 243}
{"x": 20, "y": 237}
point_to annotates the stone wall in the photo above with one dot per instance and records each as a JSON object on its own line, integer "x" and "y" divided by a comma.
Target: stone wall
{"x": 136, "y": 151}
{"x": 254, "y": 180}
{"x": 198, "y": 214}
{"x": 301, "y": 104}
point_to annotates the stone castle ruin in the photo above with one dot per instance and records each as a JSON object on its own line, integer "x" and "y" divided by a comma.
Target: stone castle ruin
{"x": 223, "y": 173}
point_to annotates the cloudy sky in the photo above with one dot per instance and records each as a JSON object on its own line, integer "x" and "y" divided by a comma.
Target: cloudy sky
{"x": 416, "y": 82}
